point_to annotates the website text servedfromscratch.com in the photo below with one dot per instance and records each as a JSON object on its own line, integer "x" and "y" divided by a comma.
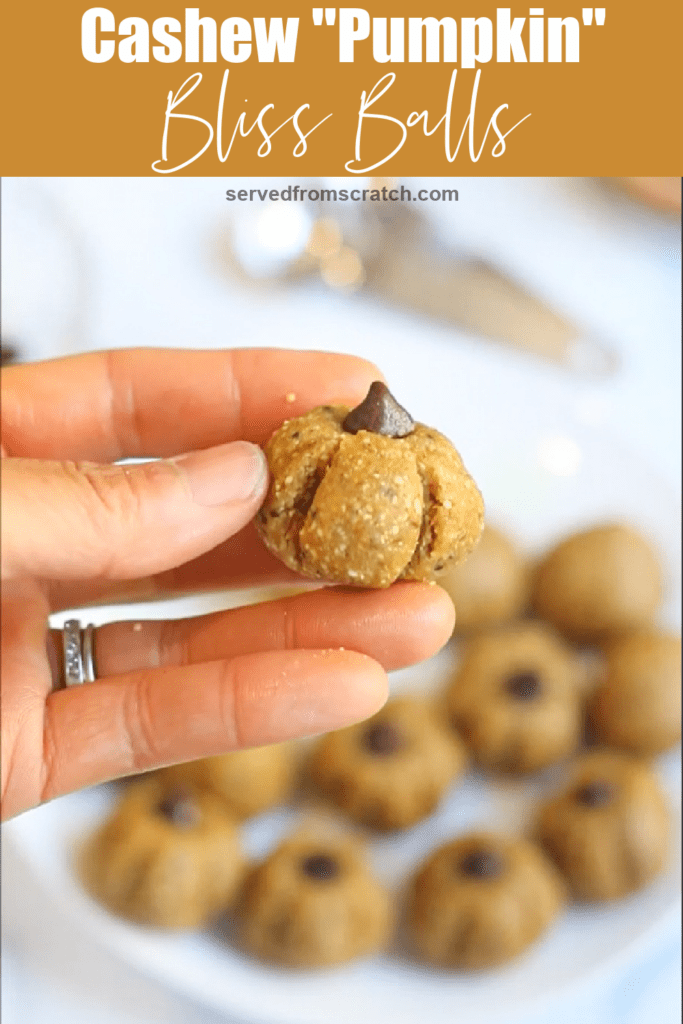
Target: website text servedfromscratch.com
{"x": 333, "y": 195}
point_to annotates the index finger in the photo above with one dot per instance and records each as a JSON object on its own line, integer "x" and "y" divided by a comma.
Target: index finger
{"x": 129, "y": 403}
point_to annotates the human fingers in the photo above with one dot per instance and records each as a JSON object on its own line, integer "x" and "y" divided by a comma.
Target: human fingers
{"x": 239, "y": 562}
{"x": 130, "y": 403}
{"x": 68, "y": 520}
{"x": 397, "y": 627}
{"x": 143, "y": 720}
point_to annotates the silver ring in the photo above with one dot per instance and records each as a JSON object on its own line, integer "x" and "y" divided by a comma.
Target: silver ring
{"x": 79, "y": 662}
{"x": 89, "y": 653}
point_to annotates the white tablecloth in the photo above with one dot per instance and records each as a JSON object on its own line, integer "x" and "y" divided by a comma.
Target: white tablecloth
{"x": 108, "y": 263}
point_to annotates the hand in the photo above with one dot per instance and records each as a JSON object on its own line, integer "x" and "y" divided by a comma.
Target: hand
{"x": 76, "y": 531}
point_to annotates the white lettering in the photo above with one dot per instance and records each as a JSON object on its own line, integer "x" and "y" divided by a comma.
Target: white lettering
{"x": 509, "y": 45}
{"x": 433, "y": 30}
{"x": 136, "y": 48}
{"x": 476, "y": 41}
{"x": 380, "y": 50}
{"x": 235, "y": 40}
{"x": 192, "y": 25}
{"x": 274, "y": 39}
{"x": 94, "y": 49}
{"x": 571, "y": 40}
{"x": 354, "y": 23}
{"x": 172, "y": 48}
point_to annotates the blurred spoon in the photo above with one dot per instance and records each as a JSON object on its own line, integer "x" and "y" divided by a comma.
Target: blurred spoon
{"x": 390, "y": 250}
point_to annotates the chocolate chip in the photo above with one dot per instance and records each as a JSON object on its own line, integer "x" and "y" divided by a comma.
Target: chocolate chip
{"x": 523, "y": 686}
{"x": 481, "y": 864}
{"x": 180, "y": 809}
{"x": 595, "y": 794}
{"x": 305, "y": 499}
{"x": 321, "y": 867}
{"x": 382, "y": 738}
{"x": 380, "y": 413}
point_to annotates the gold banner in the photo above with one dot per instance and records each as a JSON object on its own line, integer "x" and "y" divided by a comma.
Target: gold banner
{"x": 156, "y": 88}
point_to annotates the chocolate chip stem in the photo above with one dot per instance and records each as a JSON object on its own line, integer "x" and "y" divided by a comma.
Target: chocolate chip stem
{"x": 379, "y": 413}
{"x": 383, "y": 739}
{"x": 523, "y": 686}
{"x": 179, "y": 807}
{"x": 595, "y": 794}
{"x": 321, "y": 867}
{"x": 481, "y": 863}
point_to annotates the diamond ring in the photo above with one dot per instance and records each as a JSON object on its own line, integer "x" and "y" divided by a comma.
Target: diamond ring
{"x": 79, "y": 654}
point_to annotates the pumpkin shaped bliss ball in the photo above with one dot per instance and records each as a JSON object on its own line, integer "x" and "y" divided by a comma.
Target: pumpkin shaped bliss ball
{"x": 365, "y": 497}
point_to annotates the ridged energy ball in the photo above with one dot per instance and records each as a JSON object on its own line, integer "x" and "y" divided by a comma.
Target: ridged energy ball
{"x": 516, "y": 698}
{"x": 598, "y": 583}
{"x": 481, "y": 900}
{"x": 637, "y": 707}
{"x": 365, "y": 497}
{"x": 246, "y": 781}
{"x": 393, "y": 769}
{"x": 609, "y": 831}
{"x": 491, "y": 587}
{"x": 166, "y": 857}
{"x": 314, "y": 903}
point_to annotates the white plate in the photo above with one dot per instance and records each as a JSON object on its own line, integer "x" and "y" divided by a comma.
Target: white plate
{"x": 542, "y": 475}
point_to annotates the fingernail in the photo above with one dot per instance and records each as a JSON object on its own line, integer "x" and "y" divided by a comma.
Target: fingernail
{"x": 228, "y": 473}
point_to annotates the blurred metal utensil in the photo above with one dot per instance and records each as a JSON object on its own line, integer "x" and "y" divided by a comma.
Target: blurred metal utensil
{"x": 392, "y": 251}
{"x": 419, "y": 272}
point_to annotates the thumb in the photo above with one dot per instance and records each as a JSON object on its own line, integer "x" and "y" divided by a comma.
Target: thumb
{"x": 69, "y": 520}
